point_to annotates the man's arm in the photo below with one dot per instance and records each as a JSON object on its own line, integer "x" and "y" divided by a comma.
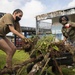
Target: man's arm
{"x": 18, "y": 28}
{"x": 64, "y": 40}
{"x": 16, "y": 32}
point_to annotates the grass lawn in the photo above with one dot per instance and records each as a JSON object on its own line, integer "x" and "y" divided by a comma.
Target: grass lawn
{"x": 21, "y": 56}
{"x": 18, "y": 57}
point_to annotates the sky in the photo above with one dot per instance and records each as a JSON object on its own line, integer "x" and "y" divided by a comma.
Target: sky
{"x": 32, "y": 8}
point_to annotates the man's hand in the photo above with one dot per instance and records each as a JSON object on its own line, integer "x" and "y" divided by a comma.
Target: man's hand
{"x": 27, "y": 40}
{"x": 27, "y": 44}
{"x": 67, "y": 25}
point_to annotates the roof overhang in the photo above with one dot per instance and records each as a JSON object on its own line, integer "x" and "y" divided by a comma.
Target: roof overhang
{"x": 51, "y": 15}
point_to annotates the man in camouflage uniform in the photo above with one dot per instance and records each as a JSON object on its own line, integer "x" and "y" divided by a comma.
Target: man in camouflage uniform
{"x": 68, "y": 29}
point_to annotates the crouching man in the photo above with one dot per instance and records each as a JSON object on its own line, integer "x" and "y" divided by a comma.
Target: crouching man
{"x": 10, "y": 23}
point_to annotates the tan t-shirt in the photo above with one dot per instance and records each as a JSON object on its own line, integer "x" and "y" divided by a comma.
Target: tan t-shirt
{"x": 5, "y": 21}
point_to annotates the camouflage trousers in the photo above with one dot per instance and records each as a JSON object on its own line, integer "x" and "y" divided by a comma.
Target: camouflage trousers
{"x": 72, "y": 43}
